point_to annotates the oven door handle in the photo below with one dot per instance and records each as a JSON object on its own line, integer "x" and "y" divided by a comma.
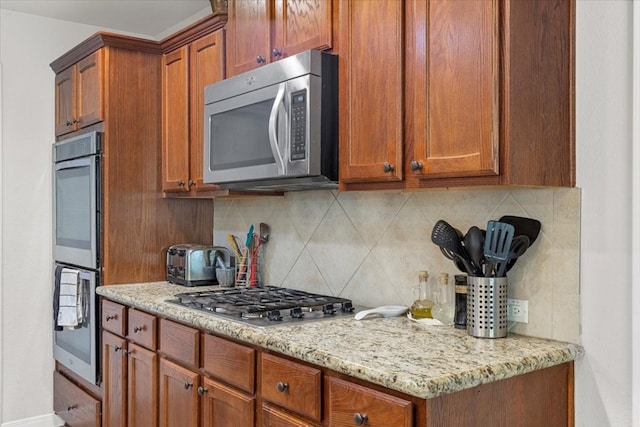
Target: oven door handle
{"x": 276, "y": 111}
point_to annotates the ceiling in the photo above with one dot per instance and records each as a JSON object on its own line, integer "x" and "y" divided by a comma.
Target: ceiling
{"x": 144, "y": 17}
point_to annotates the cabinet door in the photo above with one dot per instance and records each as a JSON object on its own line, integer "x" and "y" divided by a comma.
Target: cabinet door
{"x": 273, "y": 417}
{"x": 178, "y": 395}
{"x": 143, "y": 387}
{"x": 300, "y": 26}
{"x": 175, "y": 120}
{"x": 90, "y": 87}
{"x": 371, "y": 84}
{"x": 65, "y": 101}
{"x": 206, "y": 66}
{"x": 452, "y": 87}
{"x": 348, "y": 402}
{"x": 248, "y": 35}
{"x": 224, "y": 406}
{"x": 114, "y": 381}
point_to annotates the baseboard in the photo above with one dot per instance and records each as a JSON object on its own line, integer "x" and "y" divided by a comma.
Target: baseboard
{"x": 50, "y": 420}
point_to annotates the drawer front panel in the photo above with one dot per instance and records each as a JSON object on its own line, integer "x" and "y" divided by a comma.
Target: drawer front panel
{"x": 142, "y": 329}
{"x": 180, "y": 342}
{"x": 114, "y": 317}
{"x": 291, "y": 385}
{"x": 347, "y": 402}
{"x": 73, "y": 405}
{"x": 230, "y": 362}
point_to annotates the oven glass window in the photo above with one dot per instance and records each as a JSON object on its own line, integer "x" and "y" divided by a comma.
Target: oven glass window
{"x": 240, "y": 137}
{"x": 76, "y": 342}
{"x": 73, "y": 207}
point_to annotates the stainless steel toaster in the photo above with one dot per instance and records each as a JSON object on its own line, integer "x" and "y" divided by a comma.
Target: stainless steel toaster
{"x": 195, "y": 265}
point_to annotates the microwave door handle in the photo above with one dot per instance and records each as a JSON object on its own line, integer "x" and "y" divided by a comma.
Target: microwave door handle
{"x": 273, "y": 129}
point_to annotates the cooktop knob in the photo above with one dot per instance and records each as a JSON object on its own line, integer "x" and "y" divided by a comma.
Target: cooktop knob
{"x": 296, "y": 313}
{"x": 274, "y": 315}
{"x": 328, "y": 309}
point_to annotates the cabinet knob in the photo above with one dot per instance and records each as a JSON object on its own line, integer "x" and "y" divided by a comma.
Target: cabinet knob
{"x": 187, "y": 386}
{"x": 137, "y": 329}
{"x": 191, "y": 183}
{"x": 387, "y": 167}
{"x": 112, "y": 317}
{"x": 276, "y": 52}
{"x": 180, "y": 183}
{"x": 74, "y": 121}
{"x": 68, "y": 123}
{"x": 69, "y": 408}
{"x": 127, "y": 352}
{"x": 416, "y": 165}
{"x": 360, "y": 419}
{"x": 117, "y": 348}
{"x": 282, "y": 387}
{"x": 260, "y": 59}
{"x": 202, "y": 391}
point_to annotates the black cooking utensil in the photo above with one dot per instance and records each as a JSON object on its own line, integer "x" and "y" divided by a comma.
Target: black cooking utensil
{"x": 519, "y": 245}
{"x": 446, "y": 236}
{"x": 497, "y": 244}
{"x": 523, "y": 226}
{"x": 456, "y": 259}
{"x": 474, "y": 245}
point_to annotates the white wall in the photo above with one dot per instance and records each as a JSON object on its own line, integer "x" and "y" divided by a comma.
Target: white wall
{"x": 604, "y": 148}
{"x": 603, "y": 377}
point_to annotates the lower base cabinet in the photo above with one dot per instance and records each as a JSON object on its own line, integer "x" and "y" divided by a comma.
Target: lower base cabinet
{"x": 73, "y": 405}
{"x": 196, "y": 379}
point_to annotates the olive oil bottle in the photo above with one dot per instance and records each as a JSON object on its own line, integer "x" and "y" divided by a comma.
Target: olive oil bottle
{"x": 421, "y": 307}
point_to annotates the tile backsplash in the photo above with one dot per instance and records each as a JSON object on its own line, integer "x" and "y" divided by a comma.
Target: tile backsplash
{"x": 369, "y": 246}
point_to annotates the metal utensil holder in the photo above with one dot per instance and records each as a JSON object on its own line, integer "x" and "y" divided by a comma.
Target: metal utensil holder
{"x": 248, "y": 269}
{"x": 487, "y": 307}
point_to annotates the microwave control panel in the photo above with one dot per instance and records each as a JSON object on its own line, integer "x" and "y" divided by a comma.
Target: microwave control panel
{"x": 298, "y": 125}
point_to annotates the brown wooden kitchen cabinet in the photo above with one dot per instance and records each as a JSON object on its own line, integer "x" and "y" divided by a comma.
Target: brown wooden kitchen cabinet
{"x": 130, "y": 371}
{"x": 76, "y": 407}
{"x": 471, "y": 93}
{"x": 179, "y": 400}
{"x": 80, "y": 94}
{"x": 185, "y": 73}
{"x": 263, "y": 31}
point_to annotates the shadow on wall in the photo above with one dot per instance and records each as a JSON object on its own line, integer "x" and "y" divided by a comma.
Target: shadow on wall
{"x": 370, "y": 246}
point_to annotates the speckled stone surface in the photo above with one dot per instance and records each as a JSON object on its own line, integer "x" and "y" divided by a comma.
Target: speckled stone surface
{"x": 420, "y": 360}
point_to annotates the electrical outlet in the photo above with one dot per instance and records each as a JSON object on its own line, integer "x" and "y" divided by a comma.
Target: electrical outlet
{"x": 518, "y": 310}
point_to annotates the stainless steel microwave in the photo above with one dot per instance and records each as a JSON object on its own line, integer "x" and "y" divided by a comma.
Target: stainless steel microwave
{"x": 276, "y": 127}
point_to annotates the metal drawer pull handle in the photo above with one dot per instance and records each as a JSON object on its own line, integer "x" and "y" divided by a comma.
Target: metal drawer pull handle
{"x": 137, "y": 329}
{"x": 117, "y": 348}
{"x": 416, "y": 165}
{"x": 360, "y": 419}
{"x": 388, "y": 167}
{"x": 260, "y": 59}
{"x": 282, "y": 386}
{"x": 112, "y": 317}
{"x": 127, "y": 352}
{"x": 187, "y": 386}
{"x": 202, "y": 391}
{"x": 69, "y": 408}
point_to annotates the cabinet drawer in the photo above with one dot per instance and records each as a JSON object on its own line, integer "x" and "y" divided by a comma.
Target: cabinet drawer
{"x": 347, "y": 401}
{"x": 180, "y": 343}
{"x": 114, "y": 317}
{"x": 73, "y": 405}
{"x": 291, "y": 385}
{"x": 230, "y": 362}
{"x": 142, "y": 329}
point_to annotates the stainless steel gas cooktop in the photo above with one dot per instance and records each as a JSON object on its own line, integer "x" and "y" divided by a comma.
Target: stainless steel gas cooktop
{"x": 266, "y": 306}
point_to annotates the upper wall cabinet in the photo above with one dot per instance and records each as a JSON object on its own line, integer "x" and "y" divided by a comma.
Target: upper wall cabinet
{"x": 262, "y": 31}
{"x": 186, "y": 71}
{"x": 456, "y": 93}
{"x": 79, "y": 94}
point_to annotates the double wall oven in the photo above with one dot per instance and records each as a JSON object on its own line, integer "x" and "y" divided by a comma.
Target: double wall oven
{"x": 76, "y": 252}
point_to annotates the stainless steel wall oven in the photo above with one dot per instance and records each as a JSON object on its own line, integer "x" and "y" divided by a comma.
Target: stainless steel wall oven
{"x": 76, "y": 251}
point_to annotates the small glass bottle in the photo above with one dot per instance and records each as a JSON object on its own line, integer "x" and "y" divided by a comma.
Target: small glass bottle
{"x": 422, "y": 306}
{"x": 444, "y": 310}
{"x": 460, "y": 321}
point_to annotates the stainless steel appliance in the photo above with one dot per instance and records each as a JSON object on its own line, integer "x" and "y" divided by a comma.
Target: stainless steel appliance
{"x": 275, "y": 127}
{"x": 267, "y": 306}
{"x": 76, "y": 245}
{"x": 195, "y": 265}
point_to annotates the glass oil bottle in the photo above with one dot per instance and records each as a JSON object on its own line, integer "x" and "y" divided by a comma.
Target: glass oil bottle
{"x": 422, "y": 306}
{"x": 444, "y": 309}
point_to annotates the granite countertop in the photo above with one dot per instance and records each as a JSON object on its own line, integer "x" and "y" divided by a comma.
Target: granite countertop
{"x": 420, "y": 360}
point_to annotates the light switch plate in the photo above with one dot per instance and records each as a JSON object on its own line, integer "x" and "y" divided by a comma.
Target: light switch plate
{"x": 518, "y": 310}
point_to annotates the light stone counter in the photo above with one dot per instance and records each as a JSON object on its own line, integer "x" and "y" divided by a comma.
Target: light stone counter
{"x": 419, "y": 360}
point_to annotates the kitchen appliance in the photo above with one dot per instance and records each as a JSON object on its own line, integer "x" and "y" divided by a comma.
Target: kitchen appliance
{"x": 267, "y": 306}
{"x": 195, "y": 265}
{"x": 76, "y": 245}
{"x": 275, "y": 127}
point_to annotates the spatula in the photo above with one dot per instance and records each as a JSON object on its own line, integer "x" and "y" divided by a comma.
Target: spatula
{"x": 497, "y": 243}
